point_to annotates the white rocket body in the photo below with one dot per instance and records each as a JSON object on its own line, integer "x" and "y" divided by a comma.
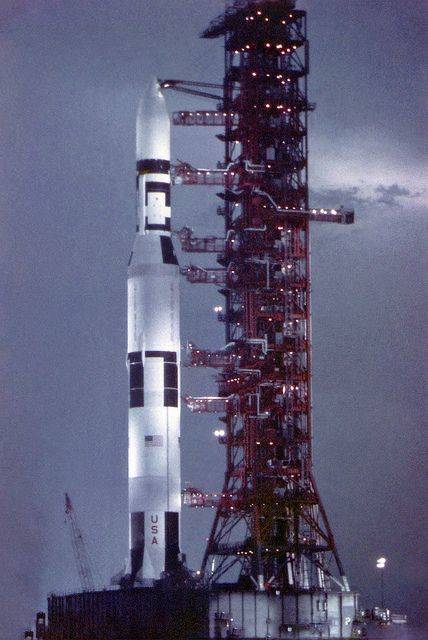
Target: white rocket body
{"x": 153, "y": 356}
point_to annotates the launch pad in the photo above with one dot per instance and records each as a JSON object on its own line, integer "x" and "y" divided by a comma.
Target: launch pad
{"x": 147, "y": 613}
{"x": 163, "y": 612}
{"x": 271, "y": 567}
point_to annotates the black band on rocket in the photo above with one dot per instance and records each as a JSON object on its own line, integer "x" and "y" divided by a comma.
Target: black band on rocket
{"x": 153, "y": 166}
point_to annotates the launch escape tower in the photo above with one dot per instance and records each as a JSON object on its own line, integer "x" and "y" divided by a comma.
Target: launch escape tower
{"x": 270, "y": 530}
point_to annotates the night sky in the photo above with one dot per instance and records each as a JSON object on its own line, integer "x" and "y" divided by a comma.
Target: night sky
{"x": 71, "y": 74}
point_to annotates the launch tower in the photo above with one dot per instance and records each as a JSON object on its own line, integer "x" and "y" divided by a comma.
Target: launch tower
{"x": 270, "y": 533}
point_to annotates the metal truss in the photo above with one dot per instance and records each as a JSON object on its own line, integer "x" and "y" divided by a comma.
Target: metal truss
{"x": 270, "y": 528}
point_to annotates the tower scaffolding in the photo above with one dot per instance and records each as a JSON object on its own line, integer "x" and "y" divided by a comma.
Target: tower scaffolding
{"x": 270, "y": 532}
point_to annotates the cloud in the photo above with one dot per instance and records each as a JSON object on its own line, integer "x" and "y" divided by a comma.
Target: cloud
{"x": 385, "y": 173}
{"x": 394, "y": 195}
{"x": 389, "y": 195}
{"x": 351, "y": 196}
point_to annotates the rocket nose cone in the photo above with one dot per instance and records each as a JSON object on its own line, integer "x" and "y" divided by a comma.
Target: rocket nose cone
{"x": 153, "y": 90}
{"x": 153, "y": 126}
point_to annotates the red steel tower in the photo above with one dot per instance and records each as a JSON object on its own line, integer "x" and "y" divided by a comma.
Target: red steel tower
{"x": 270, "y": 531}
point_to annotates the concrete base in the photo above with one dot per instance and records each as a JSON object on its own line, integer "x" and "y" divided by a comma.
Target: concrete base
{"x": 163, "y": 612}
{"x": 253, "y": 615}
{"x": 149, "y": 613}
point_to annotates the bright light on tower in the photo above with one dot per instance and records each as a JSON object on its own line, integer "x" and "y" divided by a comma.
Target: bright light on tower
{"x": 380, "y": 564}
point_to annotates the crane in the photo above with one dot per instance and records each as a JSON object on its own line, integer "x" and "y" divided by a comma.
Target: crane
{"x": 80, "y": 553}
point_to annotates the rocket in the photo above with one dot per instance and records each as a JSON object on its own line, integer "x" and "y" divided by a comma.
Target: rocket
{"x": 153, "y": 357}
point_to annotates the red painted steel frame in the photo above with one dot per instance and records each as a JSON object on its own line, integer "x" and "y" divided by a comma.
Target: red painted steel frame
{"x": 270, "y": 530}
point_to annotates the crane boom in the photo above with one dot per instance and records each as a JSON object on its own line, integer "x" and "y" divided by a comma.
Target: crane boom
{"x": 80, "y": 553}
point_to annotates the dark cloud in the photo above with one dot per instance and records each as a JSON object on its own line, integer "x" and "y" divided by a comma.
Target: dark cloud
{"x": 389, "y": 195}
{"x": 338, "y": 197}
{"x": 393, "y": 195}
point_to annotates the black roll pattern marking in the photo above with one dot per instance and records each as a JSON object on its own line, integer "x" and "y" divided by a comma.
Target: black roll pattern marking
{"x": 159, "y": 187}
{"x": 168, "y": 253}
{"x": 172, "y": 543}
{"x": 136, "y": 379}
{"x": 170, "y": 374}
{"x": 137, "y": 542}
